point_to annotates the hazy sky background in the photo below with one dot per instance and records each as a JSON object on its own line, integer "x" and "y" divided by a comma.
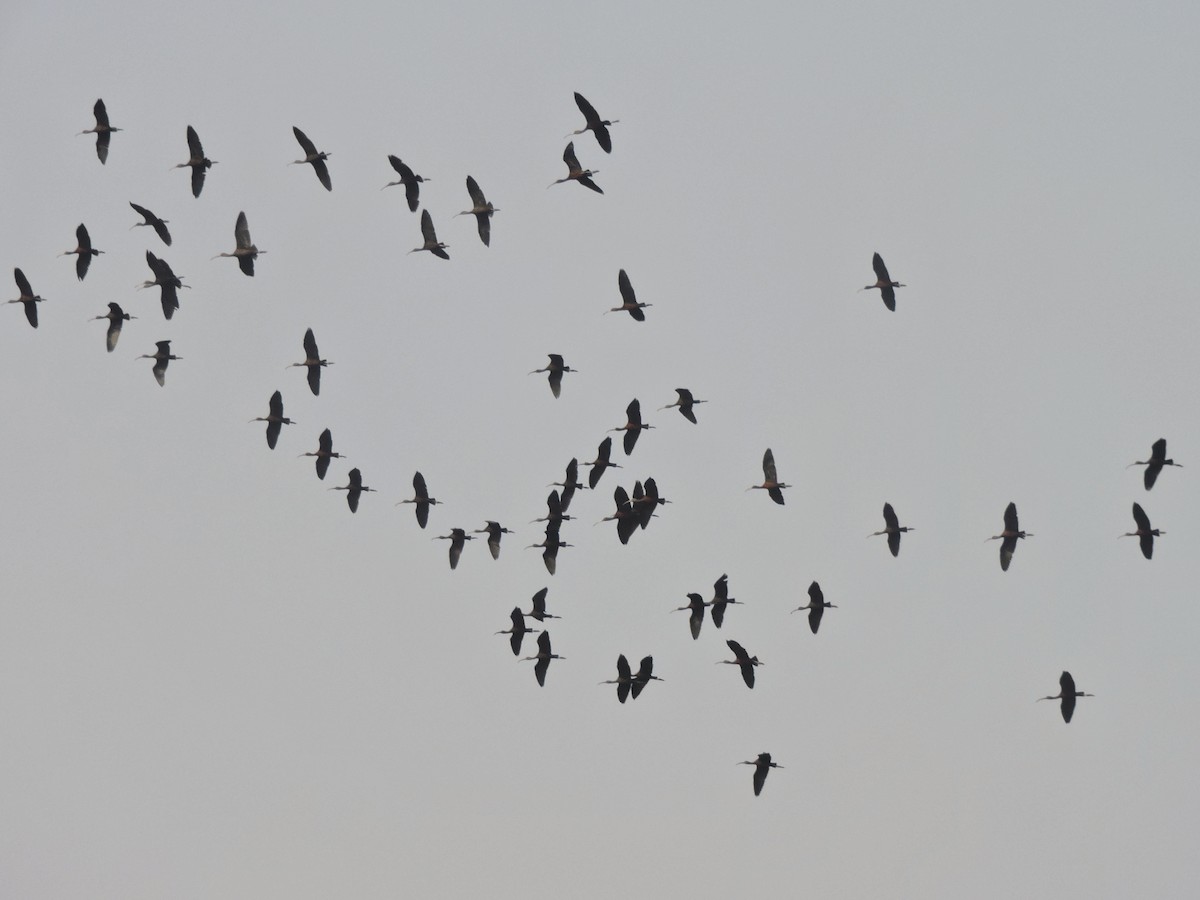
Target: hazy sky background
{"x": 216, "y": 682}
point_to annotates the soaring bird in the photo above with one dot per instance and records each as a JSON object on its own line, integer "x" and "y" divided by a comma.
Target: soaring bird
{"x": 743, "y": 661}
{"x": 538, "y": 610}
{"x": 518, "y": 631}
{"x": 312, "y": 362}
{"x": 324, "y": 453}
{"x": 83, "y": 251}
{"x": 720, "y": 600}
{"x": 633, "y": 425}
{"x": 28, "y": 297}
{"x": 432, "y": 244}
{"x": 555, "y": 371}
{"x": 481, "y": 209}
{"x": 245, "y": 252}
{"x": 569, "y": 486}
{"x": 1008, "y": 537}
{"x": 354, "y": 489}
{"x": 1145, "y": 534}
{"x": 411, "y": 181}
{"x": 1154, "y": 465}
{"x": 103, "y": 131}
{"x": 685, "y": 403}
{"x": 629, "y": 300}
{"x": 197, "y": 161}
{"x": 601, "y": 462}
{"x": 816, "y": 606}
{"x": 550, "y": 547}
{"x": 771, "y": 483}
{"x": 161, "y": 357}
{"x": 595, "y": 124}
{"x": 167, "y": 281}
{"x": 312, "y": 156}
{"x": 159, "y": 225}
{"x": 624, "y": 679}
{"x": 421, "y": 498}
{"x": 762, "y": 766}
{"x": 624, "y": 516}
{"x": 275, "y": 419}
{"x": 457, "y": 538}
{"x": 576, "y": 172}
{"x": 892, "y": 528}
{"x": 493, "y": 530}
{"x": 543, "y": 658}
{"x": 1067, "y": 695}
{"x": 695, "y": 606}
{"x": 644, "y": 675}
{"x": 554, "y": 510}
{"x": 884, "y": 283}
{"x": 116, "y": 317}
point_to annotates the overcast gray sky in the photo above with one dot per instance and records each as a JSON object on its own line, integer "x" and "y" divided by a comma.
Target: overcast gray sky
{"x": 217, "y": 682}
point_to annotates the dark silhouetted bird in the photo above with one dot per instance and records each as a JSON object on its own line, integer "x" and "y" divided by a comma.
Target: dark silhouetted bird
{"x": 762, "y": 766}
{"x": 816, "y": 606}
{"x": 1067, "y": 695}
{"x": 1154, "y": 465}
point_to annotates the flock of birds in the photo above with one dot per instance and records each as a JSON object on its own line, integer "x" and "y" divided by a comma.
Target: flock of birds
{"x": 634, "y": 510}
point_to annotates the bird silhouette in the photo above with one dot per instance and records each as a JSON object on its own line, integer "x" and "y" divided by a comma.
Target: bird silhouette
{"x": 1144, "y": 533}
{"x": 629, "y": 300}
{"x": 542, "y": 657}
{"x": 482, "y": 210}
{"x": 518, "y": 630}
{"x": 153, "y": 221}
{"x": 743, "y": 661}
{"x": 685, "y": 403}
{"x": 695, "y": 606}
{"x": 594, "y": 123}
{"x": 633, "y": 426}
{"x": 161, "y": 357}
{"x": 624, "y": 679}
{"x": 884, "y": 283}
{"x": 576, "y": 172}
{"x": 1008, "y": 537}
{"x": 103, "y": 131}
{"x": 1067, "y": 695}
{"x": 245, "y": 252}
{"x": 421, "y": 498}
{"x": 313, "y": 157}
{"x": 312, "y": 362}
{"x": 601, "y": 462}
{"x": 1154, "y": 465}
{"x": 892, "y": 528}
{"x": 83, "y": 251}
{"x": 762, "y": 765}
{"x": 116, "y": 317}
{"x": 411, "y": 181}
{"x": 538, "y": 610}
{"x": 432, "y": 244}
{"x": 197, "y": 161}
{"x": 354, "y": 489}
{"x": 816, "y": 606}
{"x": 569, "y": 486}
{"x": 644, "y": 675}
{"x": 28, "y": 297}
{"x": 457, "y": 538}
{"x": 275, "y": 419}
{"x": 771, "y": 483}
{"x": 556, "y": 368}
{"x": 721, "y": 600}
{"x": 493, "y": 530}
{"x": 324, "y": 453}
{"x": 167, "y": 281}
